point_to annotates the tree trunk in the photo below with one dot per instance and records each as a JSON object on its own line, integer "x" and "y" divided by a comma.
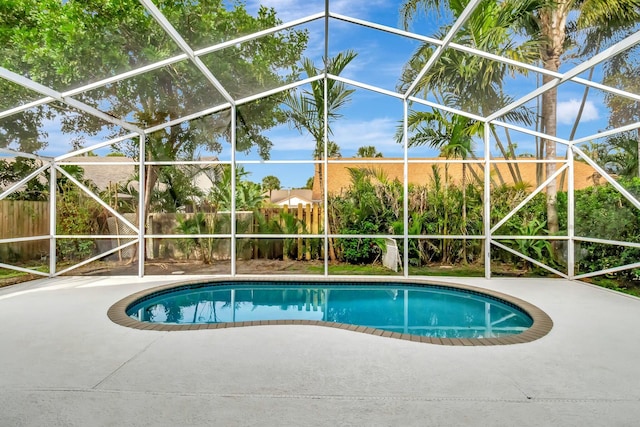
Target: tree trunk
{"x": 553, "y": 25}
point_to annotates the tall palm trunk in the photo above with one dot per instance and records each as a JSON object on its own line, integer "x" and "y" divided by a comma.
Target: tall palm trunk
{"x": 553, "y": 25}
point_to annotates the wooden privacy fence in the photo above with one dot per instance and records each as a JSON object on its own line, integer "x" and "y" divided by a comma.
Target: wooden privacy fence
{"x": 309, "y": 218}
{"x": 28, "y": 218}
{"x": 301, "y": 219}
{"x": 20, "y": 218}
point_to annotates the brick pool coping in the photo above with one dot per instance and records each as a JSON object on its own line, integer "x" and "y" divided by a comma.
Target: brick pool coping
{"x": 541, "y": 326}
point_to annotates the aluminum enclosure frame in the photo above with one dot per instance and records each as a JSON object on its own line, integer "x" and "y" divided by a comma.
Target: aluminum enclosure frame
{"x": 489, "y": 237}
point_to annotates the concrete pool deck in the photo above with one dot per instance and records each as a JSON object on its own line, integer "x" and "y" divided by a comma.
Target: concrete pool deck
{"x": 64, "y": 363}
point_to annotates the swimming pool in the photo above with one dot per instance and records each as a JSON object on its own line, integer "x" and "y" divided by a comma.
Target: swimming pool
{"x": 428, "y": 312}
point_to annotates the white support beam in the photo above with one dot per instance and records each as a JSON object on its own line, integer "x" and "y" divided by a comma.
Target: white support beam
{"x": 184, "y": 46}
{"x": 614, "y": 50}
{"x": 528, "y": 198}
{"x": 233, "y": 189}
{"x": 27, "y": 155}
{"x": 23, "y": 181}
{"x": 23, "y": 270}
{"x": 325, "y": 141}
{"x": 97, "y": 257}
{"x": 95, "y": 147}
{"x": 486, "y": 55}
{"x": 37, "y": 87}
{"x": 142, "y": 192}
{"x": 528, "y": 258}
{"x": 372, "y": 88}
{"x": 571, "y": 215}
{"x": 259, "y": 34}
{"x": 608, "y": 132}
{"x": 97, "y": 199}
{"x": 447, "y": 109}
{"x": 630, "y": 197}
{"x": 486, "y": 199}
{"x": 608, "y": 271}
{"x": 405, "y": 187}
{"x": 531, "y": 132}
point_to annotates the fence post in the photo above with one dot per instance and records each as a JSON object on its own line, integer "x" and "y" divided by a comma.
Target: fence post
{"x": 285, "y": 255}
{"x": 307, "y": 219}
{"x": 300, "y": 216}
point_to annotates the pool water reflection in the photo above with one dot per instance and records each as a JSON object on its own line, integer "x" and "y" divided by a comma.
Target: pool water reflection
{"x": 430, "y": 311}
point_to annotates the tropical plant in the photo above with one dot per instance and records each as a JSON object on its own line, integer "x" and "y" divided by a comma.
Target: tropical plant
{"x": 368, "y": 151}
{"x": 538, "y": 249}
{"x": 248, "y": 194}
{"x": 369, "y": 206}
{"x": 454, "y": 78}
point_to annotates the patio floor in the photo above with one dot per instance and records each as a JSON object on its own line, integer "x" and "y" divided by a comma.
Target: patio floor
{"x": 64, "y": 363}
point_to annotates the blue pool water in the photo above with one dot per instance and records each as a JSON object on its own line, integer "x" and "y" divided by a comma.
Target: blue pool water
{"x": 431, "y": 311}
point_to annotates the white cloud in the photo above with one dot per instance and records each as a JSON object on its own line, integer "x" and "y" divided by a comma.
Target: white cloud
{"x": 568, "y": 111}
{"x": 348, "y": 134}
{"x": 379, "y": 132}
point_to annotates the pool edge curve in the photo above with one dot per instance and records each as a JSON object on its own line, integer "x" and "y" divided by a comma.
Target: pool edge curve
{"x": 542, "y": 323}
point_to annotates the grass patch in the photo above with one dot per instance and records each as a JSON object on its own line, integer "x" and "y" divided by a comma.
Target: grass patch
{"x": 617, "y": 285}
{"x": 354, "y": 269}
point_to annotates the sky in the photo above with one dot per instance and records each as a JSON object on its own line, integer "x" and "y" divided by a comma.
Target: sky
{"x": 370, "y": 118}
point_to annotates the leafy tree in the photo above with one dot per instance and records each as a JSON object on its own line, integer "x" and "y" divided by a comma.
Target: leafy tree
{"x": 55, "y": 43}
{"x": 623, "y": 74}
{"x": 368, "y": 151}
{"x": 307, "y": 107}
{"x": 13, "y": 171}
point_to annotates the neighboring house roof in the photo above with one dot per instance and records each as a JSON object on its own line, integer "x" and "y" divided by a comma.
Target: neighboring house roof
{"x": 102, "y": 175}
{"x": 339, "y": 178}
{"x": 290, "y": 197}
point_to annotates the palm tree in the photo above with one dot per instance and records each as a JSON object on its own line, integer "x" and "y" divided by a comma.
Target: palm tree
{"x": 306, "y": 108}
{"x": 453, "y": 136}
{"x": 471, "y": 83}
{"x": 368, "y": 151}
{"x": 270, "y": 183}
{"x": 552, "y": 22}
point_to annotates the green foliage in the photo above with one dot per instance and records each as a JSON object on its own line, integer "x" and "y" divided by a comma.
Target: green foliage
{"x": 369, "y": 206}
{"x": 368, "y": 151}
{"x": 13, "y": 171}
{"x": 617, "y": 155}
{"x": 360, "y": 250}
{"x": 309, "y": 184}
{"x": 55, "y": 44}
{"x": 248, "y": 194}
{"x": 202, "y": 223}
{"x": 270, "y": 183}
{"x": 603, "y": 212}
{"x": 76, "y": 214}
{"x": 538, "y": 249}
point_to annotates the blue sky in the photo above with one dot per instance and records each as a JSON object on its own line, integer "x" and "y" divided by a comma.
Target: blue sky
{"x": 370, "y": 118}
